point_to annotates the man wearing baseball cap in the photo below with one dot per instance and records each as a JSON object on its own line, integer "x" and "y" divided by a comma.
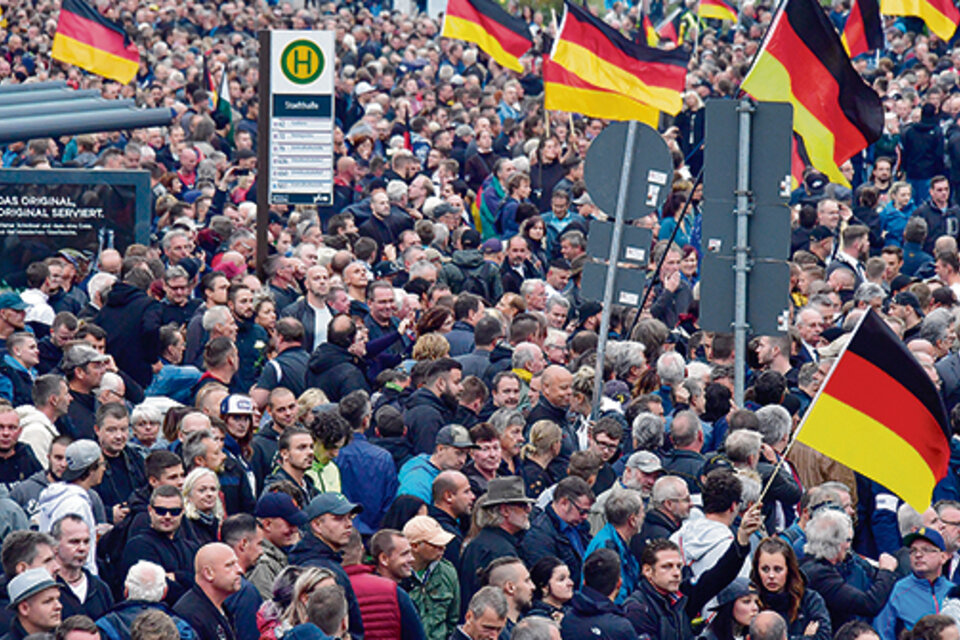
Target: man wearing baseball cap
{"x": 450, "y": 452}
{"x": 13, "y": 313}
{"x": 279, "y": 518}
{"x": 921, "y": 593}
{"x": 84, "y": 367}
{"x": 85, "y": 468}
{"x": 35, "y": 598}
{"x": 433, "y": 586}
{"x": 330, "y": 517}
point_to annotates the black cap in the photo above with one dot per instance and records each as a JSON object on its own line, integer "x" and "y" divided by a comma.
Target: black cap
{"x": 470, "y": 239}
{"x": 905, "y": 298}
{"x": 820, "y": 233}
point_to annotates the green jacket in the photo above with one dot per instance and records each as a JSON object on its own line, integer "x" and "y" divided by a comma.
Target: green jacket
{"x": 272, "y": 561}
{"x": 436, "y": 594}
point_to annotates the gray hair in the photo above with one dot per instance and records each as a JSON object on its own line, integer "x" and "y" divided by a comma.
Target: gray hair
{"x": 685, "y": 428}
{"x": 908, "y": 519}
{"x": 523, "y": 353}
{"x": 527, "y": 286}
{"x": 534, "y": 628}
{"x": 935, "y": 326}
{"x": 558, "y": 301}
{"x": 671, "y": 367}
{"x": 750, "y": 487}
{"x": 867, "y": 292}
{"x": 621, "y": 504}
{"x": 396, "y": 190}
{"x": 666, "y": 488}
{"x": 741, "y": 444}
{"x": 826, "y": 533}
{"x": 99, "y": 284}
{"x": 170, "y": 235}
{"x": 421, "y": 267}
{"x": 647, "y": 431}
{"x": 627, "y": 355}
{"x": 506, "y": 417}
{"x": 110, "y": 382}
{"x": 775, "y": 423}
{"x": 488, "y": 598}
{"x": 215, "y": 315}
{"x": 193, "y": 447}
{"x": 146, "y": 581}
{"x": 175, "y": 272}
{"x": 145, "y": 413}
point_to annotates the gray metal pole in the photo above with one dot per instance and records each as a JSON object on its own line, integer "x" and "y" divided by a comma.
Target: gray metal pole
{"x": 51, "y": 126}
{"x": 42, "y": 95}
{"x": 741, "y": 268}
{"x": 33, "y": 86}
{"x": 608, "y": 285}
{"x": 67, "y": 106}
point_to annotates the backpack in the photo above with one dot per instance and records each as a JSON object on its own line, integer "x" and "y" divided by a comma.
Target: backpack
{"x": 475, "y": 282}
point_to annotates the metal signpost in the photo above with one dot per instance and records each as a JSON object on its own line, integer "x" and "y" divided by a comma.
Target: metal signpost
{"x": 633, "y": 162}
{"x": 295, "y": 129}
{"x": 745, "y": 277}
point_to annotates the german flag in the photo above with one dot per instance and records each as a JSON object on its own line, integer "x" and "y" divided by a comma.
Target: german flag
{"x": 878, "y": 413}
{"x": 717, "y": 9}
{"x": 802, "y": 61}
{"x": 504, "y": 37}
{"x": 863, "y": 30}
{"x": 649, "y": 33}
{"x": 563, "y": 91}
{"x": 672, "y": 28}
{"x": 799, "y": 161}
{"x": 92, "y": 42}
{"x": 598, "y": 54}
{"x": 941, "y": 16}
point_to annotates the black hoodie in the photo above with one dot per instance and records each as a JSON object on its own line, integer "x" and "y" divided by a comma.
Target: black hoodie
{"x": 335, "y": 371}
{"x": 132, "y": 321}
{"x": 591, "y": 614}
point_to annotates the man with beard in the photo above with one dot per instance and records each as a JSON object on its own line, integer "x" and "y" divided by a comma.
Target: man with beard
{"x": 251, "y": 339}
{"x": 17, "y": 462}
{"x": 312, "y": 310}
{"x": 434, "y": 404}
{"x": 295, "y": 451}
{"x": 512, "y": 577}
{"x": 177, "y": 305}
{"x": 856, "y": 249}
{"x": 279, "y": 518}
{"x": 283, "y": 415}
{"x": 452, "y": 501}
{"x": 505, "y": 513}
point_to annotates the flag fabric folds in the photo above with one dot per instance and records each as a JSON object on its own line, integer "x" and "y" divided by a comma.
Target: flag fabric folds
{"x": 879, "y": 413}
{"x": 564, "y": 91}
{"x": 649, "y": 33}
{"x": 92, "y": 42}
{"x": 717, "y": 9}
{"x": 600, "y": 55}
{"x": 863, "y": 30}
{"x": 502, "y": 36}
{"x": 802, "y": 61}
{"x": 941, "y": 16}
{"x": 673, "y": 27}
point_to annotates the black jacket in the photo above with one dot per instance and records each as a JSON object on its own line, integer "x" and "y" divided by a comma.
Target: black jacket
{"x": 593, "y": 615}
{"x": 209, "y": 623}
{"x": 98, "y": 601}
{"x": 545, "y": 410}
{"x": 81, "y": 416}
{"x": 685, "y": 464}
{"x": 302, "y": 311}
{"x": 501, "y": 357}
{"x": 237, "y": 493}
{"x": 940, "y": 222}
{"x": 20, "y": 380}
{"x": 425, "y": 415}
{"x": 491, "y": 543}
{"x": 656, "y": 524}
{"x": 18, "y": 467}
{"x": 484, "y": 276}
{"x": 173, "y": 554}
{"x": 121, "y": 477}
{"x": 265, "y": 446}
{"x": 313, "y": 552}
{"x": 546, "y": 539}
{"x": 50, "y": 355}
{"x": 451, "y": 526}
{"x": 336, "y": 372}
{"x": 923, "y": 149}
{"x": 132, "y": 320}
{"x": 845, "y": 601}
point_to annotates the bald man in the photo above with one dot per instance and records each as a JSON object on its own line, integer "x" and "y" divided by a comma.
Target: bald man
{"x": 218, "y": 574}
{"x": 555, "y": 396}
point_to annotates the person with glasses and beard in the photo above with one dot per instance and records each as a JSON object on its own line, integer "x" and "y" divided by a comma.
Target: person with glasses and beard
{"x": 562, "y": 530}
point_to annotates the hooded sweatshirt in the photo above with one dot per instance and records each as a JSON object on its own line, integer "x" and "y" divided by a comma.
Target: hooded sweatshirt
{"x": 62, "y": 498}
{"x": 702, "y": 542}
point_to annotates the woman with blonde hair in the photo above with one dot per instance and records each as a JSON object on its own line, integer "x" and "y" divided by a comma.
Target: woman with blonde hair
{"x": 202, "y": 510}
{"x": 309, "y": 581}
{"x": 430, "y": 346}
{"x": 307, "y": 401}
{"x": 546, "y": 439}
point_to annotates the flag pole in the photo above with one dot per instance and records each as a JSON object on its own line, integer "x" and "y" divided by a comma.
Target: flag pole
{"x": 816, "y": 397}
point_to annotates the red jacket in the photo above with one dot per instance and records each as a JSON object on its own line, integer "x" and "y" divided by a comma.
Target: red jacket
{"x": 377, "y": 597}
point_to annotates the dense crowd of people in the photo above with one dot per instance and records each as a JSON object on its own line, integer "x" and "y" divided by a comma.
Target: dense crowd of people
{"x": 390, "y": 433}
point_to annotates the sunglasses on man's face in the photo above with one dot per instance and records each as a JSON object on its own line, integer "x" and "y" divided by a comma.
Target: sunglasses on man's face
{"x": 168, "y": 511}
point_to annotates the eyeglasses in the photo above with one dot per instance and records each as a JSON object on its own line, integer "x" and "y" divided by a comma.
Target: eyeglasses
{"x": 168, "y": 511}
{"x": 583, "y": 512}
{"x": 923, "y": 551}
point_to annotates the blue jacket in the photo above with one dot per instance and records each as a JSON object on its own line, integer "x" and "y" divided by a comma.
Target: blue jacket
{"x": 174, "y": 381}
{"x": 242, "y": 607}
{"x": 460, "y": 339}
{"x": 116, "y": 623}
{"x": 592, "y": 615}
{"x": 608, "y": 538}
{"x": 911, "y": 599}
{"x": 550, "y": 536}
{"x": 305, "y": 631}
{"x": 358, "y": 462}
{"x": 416, "y": 477}
{"x": 894, "y": 220}
{"x": 311, "y": 551}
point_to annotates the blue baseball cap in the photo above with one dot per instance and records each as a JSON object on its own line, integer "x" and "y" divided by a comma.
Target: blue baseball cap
{"x": 926, "y": 533}
{"x": 280, "y": 505}
{"x": 331, "y": 502}
{"x": 12, "y": 300}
